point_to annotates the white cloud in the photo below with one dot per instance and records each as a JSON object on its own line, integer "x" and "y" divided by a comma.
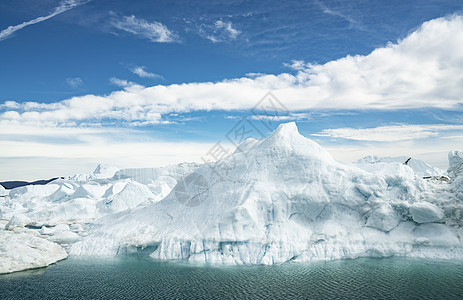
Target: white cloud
{"x": 75, "y": 82}
{"x": 45, "y": 151}
{"x": 10, "y": 105}
{"x": 61, "y": 8}
{"x": 391, "y": 133}
{"x": 283, "y": 118}
{"x": 51, "y": 160}
{"x": 140, "y": 71}
{"x": 227, "y": 27}
{"x": 298, "y": 65}
{"x": 421, "y": 71}
{"x": 219, "y": 31}
{"x": 153, "y": 31}
{"x": 121, "y": 82}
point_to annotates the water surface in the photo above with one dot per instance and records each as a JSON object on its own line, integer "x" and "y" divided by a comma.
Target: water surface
{"x": 141, "y": 278}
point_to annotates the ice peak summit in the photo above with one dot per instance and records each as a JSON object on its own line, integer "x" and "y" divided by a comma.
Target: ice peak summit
{"x": 287, "y": 133}
{"x": 287, "y": 136}
{"x": 287, "y": 128}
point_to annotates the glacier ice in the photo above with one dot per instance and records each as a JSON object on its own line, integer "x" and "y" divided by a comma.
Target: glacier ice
{"x": 455, "y": 164}
{"x": 424, "y": 212}
{"x": 21, "y": 251}
{"x": 418, "y": 166}
{"x": 383, "y": 218}
{"x": 283, "y": 198}
{"x": 18, "y": 220}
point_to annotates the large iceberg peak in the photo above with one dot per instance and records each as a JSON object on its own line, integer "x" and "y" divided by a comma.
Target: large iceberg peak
{"x": 286, "y": 132}
{"x": 286, "y": 138}
{"x": 287, "y": 128}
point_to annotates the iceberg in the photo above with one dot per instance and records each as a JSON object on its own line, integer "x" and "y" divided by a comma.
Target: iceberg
{"x": 102, "y": 171}
{"x": 23, "y": 251}
{"x": 279, "y": 199}
{"x": 286, "y": 199}
{"x": 418, "y": 166}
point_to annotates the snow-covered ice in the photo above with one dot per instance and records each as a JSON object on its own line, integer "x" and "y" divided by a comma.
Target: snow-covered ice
{"x": 22, "y": 251}
{"x": 424, "y": 212}
{"x": 420, "y": 167}
{"x": 283, "y": 198}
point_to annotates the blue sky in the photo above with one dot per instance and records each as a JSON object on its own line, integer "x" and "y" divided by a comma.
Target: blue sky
{"x": 146, "y": 83}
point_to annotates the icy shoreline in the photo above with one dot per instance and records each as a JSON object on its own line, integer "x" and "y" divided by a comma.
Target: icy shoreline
{"x": 280, "y": 199}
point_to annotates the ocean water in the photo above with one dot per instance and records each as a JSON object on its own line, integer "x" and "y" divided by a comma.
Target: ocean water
{"x": 141, "y": 278}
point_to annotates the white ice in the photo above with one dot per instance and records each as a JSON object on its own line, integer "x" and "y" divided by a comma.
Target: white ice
{"x": 280, "y": 199}
{"x": 22, "y": 250}
{"x": 418, "y": 166}
{"x": 285, "y": 198}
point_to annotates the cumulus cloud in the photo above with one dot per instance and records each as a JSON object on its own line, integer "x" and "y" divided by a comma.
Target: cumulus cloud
{"x": 391, "y": 133}
{"x": 75, "y": 82}
{"x": 140, "y": 71}
{"x": 61, "y": 8}
{"x": 153, "y": 31}
{"x": 421, "y": 71}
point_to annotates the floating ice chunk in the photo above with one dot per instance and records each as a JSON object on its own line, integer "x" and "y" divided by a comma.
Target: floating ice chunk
{"x": 54, "y": 230}
{"x": 70, "y": 210}
{"x": 130, "y": 196}
{"x": 18, "y": 220}
{"x": 102, "y": 171}
{"x": 33, "y": 191}
{"x": 22, "y": 251}
{"x": 424, "y": 212}
{"x": 383, "y": 218}
{"x": 115, "y": 188}
{"x": 105, "y": 171}
{"x": 150, "y": 175}
{"x": 63, "y": 193}
{"x": 93, "y": 190}
{"x": 64, "y": 237}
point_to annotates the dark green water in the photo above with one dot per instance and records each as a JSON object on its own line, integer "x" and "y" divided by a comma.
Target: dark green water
{"x": 139, "y": 278}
